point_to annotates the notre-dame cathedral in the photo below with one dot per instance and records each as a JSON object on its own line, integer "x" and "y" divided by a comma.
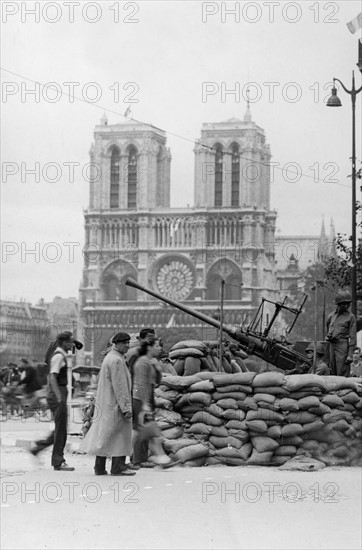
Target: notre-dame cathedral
{"x": 182, "y": 253}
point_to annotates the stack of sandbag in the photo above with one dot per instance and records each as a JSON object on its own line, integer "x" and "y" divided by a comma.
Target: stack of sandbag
{"x": 170, "y": 422}
{"x": 194, "y": 356}
{"x": 268, "y": 418}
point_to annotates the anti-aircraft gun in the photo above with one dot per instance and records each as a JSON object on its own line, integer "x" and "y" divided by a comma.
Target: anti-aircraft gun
{"x": 278, "y": 352}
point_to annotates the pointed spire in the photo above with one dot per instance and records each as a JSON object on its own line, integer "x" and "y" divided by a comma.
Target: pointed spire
{"x": 323, "y": 242}
{"x": 247, "y": 115}
{"x": 104, "y": 120}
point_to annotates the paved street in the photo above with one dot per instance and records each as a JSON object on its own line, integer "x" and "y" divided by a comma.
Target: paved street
{"x": 213, "y": 507}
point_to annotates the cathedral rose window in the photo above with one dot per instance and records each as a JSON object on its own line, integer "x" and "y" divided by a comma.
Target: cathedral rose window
{"x": 175, "y": 280}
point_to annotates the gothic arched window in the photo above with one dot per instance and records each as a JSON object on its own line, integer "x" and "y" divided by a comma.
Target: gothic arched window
{"x": 213, "y": 291}
{"x": 218, "y": 174}
{"x": 132, "y": 178}
{"x": 233, "y": 288}
{"x": 235, "y": 175}
{"x": 114, "y": 194}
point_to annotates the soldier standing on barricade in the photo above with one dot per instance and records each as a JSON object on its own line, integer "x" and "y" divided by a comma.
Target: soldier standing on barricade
{"x": 341, "y": 335}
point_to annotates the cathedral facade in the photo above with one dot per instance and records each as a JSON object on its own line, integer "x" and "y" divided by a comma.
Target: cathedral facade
{"x": 181, "y": 253}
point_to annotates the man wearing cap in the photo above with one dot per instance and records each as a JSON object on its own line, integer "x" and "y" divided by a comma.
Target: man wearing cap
{"x": 57, "y": 400}
{"x": 341, "y": 335}
{"x": 110, "y": 434}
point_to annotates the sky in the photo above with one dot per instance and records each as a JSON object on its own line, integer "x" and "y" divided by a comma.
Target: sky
{"x": 173, "y": 63}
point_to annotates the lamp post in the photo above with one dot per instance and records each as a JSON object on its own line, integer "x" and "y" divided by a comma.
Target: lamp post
{"x": 334, "y": 101}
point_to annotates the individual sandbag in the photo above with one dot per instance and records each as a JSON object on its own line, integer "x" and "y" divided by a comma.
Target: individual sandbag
{"x": 260, "y": 458}
{"x": 163, "y": 403}
{"x": 236, "y": 424}
{"x": 191, "y": 409}
{"x": 264, "y": 405}
{"x": 247, "y": 404}
{"x": 235, "y": 367}
{"x": 192, "y": 366}
{"x": 164, "y": 425}
{"x": 340, "y": 425}
{"x": 185, "y": 352}
{"x": 179, "y": 382}
{"x": 258, "y": 426}
{"x": 312, "y": 426}
{"x": 307, "y": 392}
{"x": 207, "y": 418}
{"x": 264, "y": 398}
{"x": 286, "y": 404}
{"x": 203, "y": 386}
{"x": 320, "y": 409}
{"x": 294, "y": 382}
{"x": 170, "y": 395}
{"x": 332, "y": 400}
{"x": 264, "y": 444}
{"x": 289, "y": 430}
{"x": 226, "y": 365}
{"x": 191, "y": 452}
{"x": 234, "y": 388}
{"x": 232, "y": 414}
{"x": 301, "y": 417}
{"x": 285, "y": 450}
{"x": 335, "y": 415}
{"x": 351, "y": 398}
{"x": 215, "y": 410}
{"x": 242, "y": 453}
{"x": 264, "y": 414}
{"x": 274, "y": 431}
{"x": 219, "y": 431}
{"x": 267, "y": 379}
{"x": 335, "y": 383}
{"x": 273, "y": 390}
{"x": 179, "y": 366}
{"x": 325, "y": 436}
{"x": 199, "y": 428}
{"x": 227, "y": 404}
{"x": 220, "y": 442}
{"x": 349, "y": 407}
{"x": 168, "y": 416}
{"x": 311, "y": 445}
{"x": 194, "y": 397}
{"x": 243, "y": 435}
{"x": 295, "y": 440}
{"x": 173, "y": 433}
{"x": 307, "y": 402}
{"x": 198, "y": 344}
{"x": 237, "y": 378}
{"x": 230, "y": 395}
{"x": 173, "y": 445}
{"x": 303, "y": 463}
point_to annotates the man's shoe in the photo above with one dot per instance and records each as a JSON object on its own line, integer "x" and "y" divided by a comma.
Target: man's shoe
{"x": 64, "y": 467}
{"x": 104, "y": 473}
{"x": 131, "y": 466}
{"x": 124, "y": 473}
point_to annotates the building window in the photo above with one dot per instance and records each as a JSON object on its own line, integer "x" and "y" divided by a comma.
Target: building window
{"x": 235, "y": 175}
{"x": 218, "y": 175}
{"x": 115, "y": 161}
{"x": 132, "y": 178}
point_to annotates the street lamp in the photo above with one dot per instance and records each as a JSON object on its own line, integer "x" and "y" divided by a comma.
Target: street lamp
{"x": 334, "y": 101}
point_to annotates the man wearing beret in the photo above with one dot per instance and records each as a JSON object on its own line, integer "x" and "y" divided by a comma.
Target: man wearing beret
{"x": 57, "y": 400}
{"x": 110, "y": 434}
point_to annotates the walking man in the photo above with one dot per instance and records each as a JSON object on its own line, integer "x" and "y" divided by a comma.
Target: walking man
{"x": 341, "y": 335}
{"x": 57, "y": 400}
{"x": 110, "y": 434}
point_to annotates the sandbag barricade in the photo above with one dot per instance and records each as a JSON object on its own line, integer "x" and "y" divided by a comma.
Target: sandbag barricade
{"x": 268, "y": 418}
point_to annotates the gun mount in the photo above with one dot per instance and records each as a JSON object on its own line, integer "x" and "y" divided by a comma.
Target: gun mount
{"x": 278, "y": 353}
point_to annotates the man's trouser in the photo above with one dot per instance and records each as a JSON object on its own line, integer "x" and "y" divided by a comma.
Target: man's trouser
{"x": 118, "y": 464}
{"x": 338, "y": 352}
{"x": 58, "y": 438}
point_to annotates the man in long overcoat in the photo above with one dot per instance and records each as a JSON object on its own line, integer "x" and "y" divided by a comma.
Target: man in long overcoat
{"x": 110, "y": 434}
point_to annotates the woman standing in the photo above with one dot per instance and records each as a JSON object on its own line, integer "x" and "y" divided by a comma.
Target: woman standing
{"x": 146, "y": 376}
